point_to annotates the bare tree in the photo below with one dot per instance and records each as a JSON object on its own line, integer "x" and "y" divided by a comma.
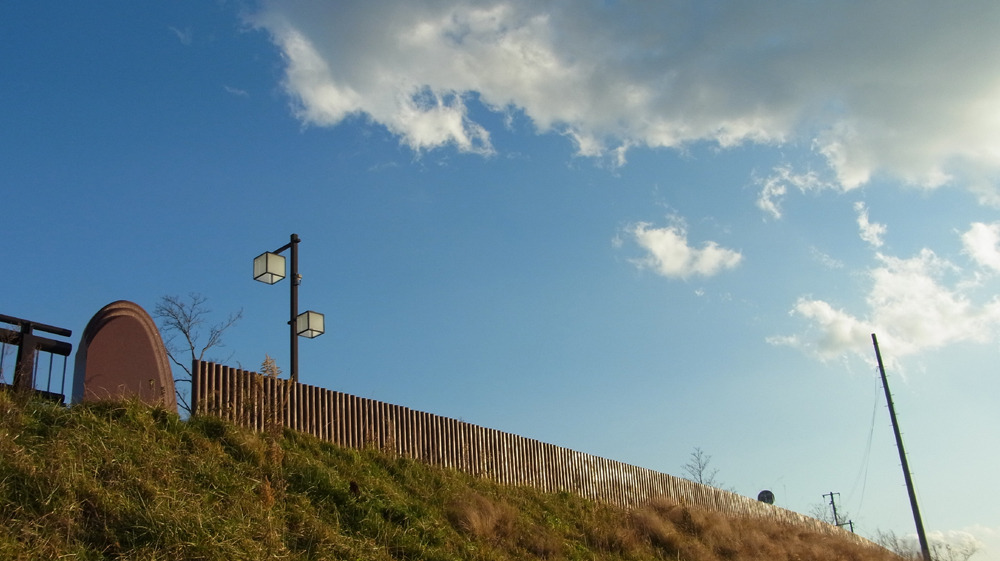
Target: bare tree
{"x": 697, "y": 468}
{"x": 183, "y": 320}
{"x": 953, "y": 550}
{"x": 889, "y": 540}
{"x": 823, "y": 511}
{"x": 954, "y": 547}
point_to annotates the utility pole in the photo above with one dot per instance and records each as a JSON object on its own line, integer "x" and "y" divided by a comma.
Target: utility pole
{"x": 924, "y": 548}
{"x": 836, "y": 519}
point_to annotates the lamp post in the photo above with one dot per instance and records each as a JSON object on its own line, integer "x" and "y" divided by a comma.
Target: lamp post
{"x": 269, "y": 268}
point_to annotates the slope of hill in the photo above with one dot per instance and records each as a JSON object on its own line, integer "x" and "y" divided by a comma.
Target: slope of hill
{"x": 119, "y": 480}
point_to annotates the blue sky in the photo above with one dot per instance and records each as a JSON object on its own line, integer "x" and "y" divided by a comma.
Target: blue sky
{"x": 628, "y": 229}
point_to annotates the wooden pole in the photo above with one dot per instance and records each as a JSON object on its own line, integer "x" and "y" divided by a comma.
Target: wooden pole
{"x": 924, "y": 548}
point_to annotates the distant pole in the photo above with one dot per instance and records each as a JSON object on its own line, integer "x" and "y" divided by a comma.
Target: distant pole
{"x": 836, "y": 521}
{"x": 924, "y": 548}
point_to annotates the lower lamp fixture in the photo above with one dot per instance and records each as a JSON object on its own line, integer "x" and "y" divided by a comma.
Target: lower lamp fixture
{"x": 309, "y": 324}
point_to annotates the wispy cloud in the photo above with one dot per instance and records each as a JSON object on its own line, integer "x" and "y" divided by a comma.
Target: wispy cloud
{"x": 185, "y": 36}
{"x": 882, "y": 87}
{"x": 870, "y": 232}
{"x": 826, "y": 260}
{"x": 669, "y": 254}
{"x": 774, "y": 187}
{"x": 236, "y": 91}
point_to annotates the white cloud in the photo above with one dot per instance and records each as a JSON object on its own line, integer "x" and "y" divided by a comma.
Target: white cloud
{"x": 329, "y": 87}
{"x": 669, "y": 254}
{"x": 835, "y": 331}
{"x": 909, "y": 301}
{"x": 896, "y": 87}
{"x": 910, "y": 305}
{"x": 963, "y": 544}
{"x": 869, "y": 231}
{"x": 982, "y": 243}
{"x": 984, "y": 537}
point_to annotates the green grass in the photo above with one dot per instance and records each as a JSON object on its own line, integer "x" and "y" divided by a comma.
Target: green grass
{"x": 118, "y": 480}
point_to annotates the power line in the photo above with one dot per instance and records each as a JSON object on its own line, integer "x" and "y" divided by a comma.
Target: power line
{"x": 862, "y": 475}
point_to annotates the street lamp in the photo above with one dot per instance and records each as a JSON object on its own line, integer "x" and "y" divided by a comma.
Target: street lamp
{"x": 269, "y": 268}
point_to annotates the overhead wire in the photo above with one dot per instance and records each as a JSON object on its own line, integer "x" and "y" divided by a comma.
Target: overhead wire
{"x": 862, "y": 475}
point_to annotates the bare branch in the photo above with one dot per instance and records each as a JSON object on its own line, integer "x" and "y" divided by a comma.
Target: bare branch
{"x": 216, "y": 331}
{"x": 958, "y": 546}
{"x": 181, "y": 321}
{"x": 697, "y": 468}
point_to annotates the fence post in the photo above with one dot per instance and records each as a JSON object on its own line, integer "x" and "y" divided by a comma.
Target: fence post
{"x": 196, "y": 389}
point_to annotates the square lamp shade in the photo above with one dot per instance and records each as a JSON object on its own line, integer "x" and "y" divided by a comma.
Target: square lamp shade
{"x": 309, "y": 324}
{"x": 269, "y": 267}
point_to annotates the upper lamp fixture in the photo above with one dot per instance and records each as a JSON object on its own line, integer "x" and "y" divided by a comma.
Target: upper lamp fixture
{"x": 269, "y": 267}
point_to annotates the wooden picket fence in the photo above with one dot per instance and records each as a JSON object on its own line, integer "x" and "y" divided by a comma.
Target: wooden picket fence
{"x": 256, "y": 401}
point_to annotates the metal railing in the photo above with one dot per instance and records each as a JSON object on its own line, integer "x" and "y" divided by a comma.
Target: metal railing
{"x": 27, "y": 363}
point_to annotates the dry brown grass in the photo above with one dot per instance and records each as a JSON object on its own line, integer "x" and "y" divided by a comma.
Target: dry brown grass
{"x": 497, "y": 522}
{"x": 661, "y": 529}
{"x": 615, "y": 538}
{"x": 483, "y": 518}
{"x": 696, "y": 534}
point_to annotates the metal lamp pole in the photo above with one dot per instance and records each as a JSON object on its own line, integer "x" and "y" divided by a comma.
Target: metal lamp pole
{"x": 269, "y": 268}
{"x": 293, "y": 244}
{"x": 294, "y": 308}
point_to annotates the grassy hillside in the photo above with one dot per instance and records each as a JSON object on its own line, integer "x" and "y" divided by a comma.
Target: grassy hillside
{"x": 122, "y": 481}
